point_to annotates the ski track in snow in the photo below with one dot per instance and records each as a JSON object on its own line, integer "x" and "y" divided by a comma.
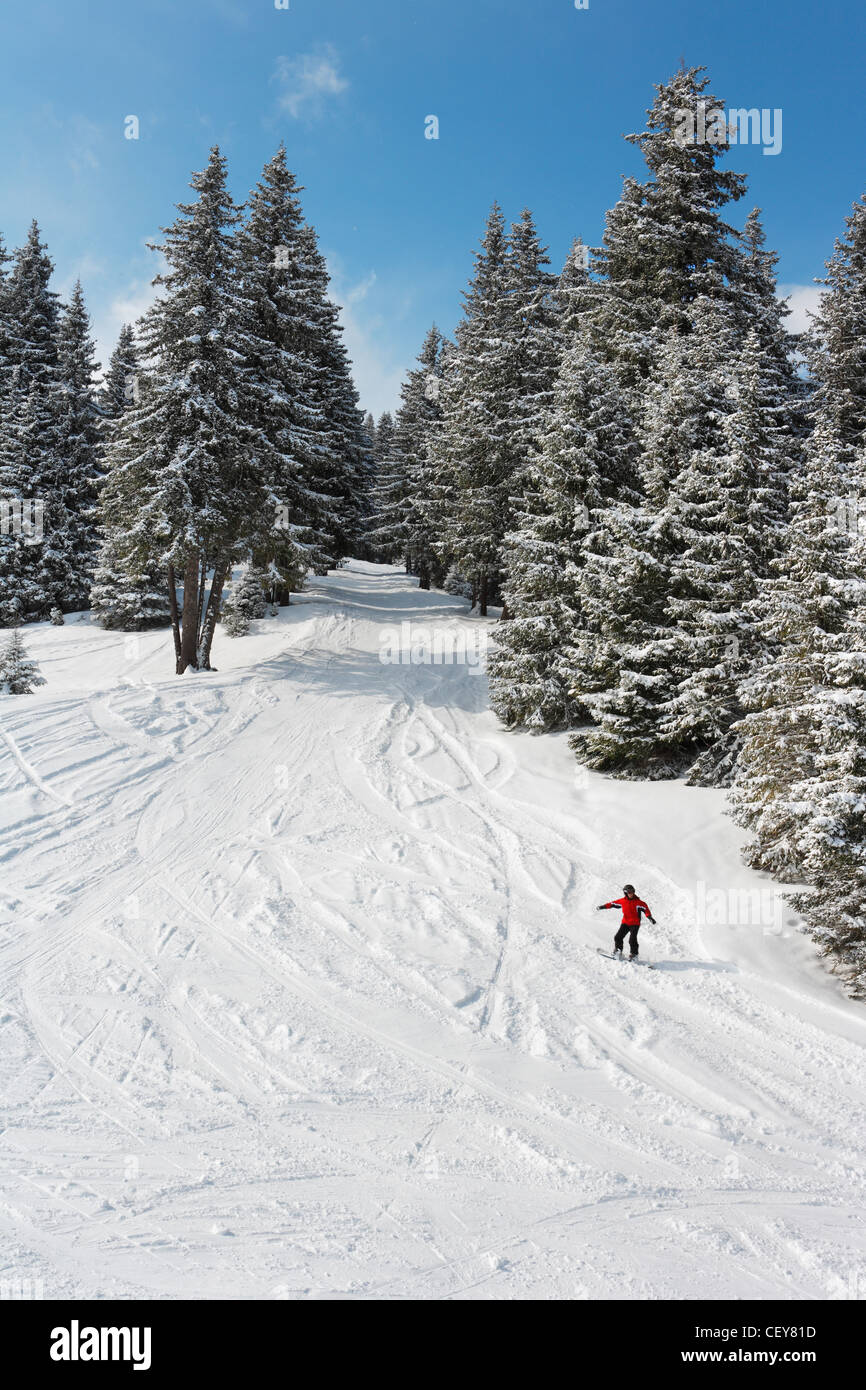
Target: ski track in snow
{"x": 301, "y": 996}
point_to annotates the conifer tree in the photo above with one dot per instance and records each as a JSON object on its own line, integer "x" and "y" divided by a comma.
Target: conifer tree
{"x": 282, "y": 302}
{"x": 19, "y": 674}
{"x": 577, "y": 295}
{"x": 68, "y": 566}
{"x": 725, "y": 501}
{"x": 22, "y": 515}
{"x": 119, "y": 383}
{"x": 5, "y": 259}
{"x": 837, "y": 340}
{"x": 245, "y": 601}
{"x": 805, "y": 611}
{"x": 475, "y": 446}
{"x": 388, "y": 530}
{"x": 665, "y": 242}
{"x": 183, "y": 475}
{"x": 534, "y": 327}
{"x": 801, "y": 781}
{"x": 587, "y": 461}
{"x": 341, "y": 466}
{"x": 641, "y": 584}
{"x": 833, "y": 842}
{"x": 31, "y": 316}
{"x": 130, "y": 591}
{"x": 417, "y": 419}
{"x": 31, "y": 565}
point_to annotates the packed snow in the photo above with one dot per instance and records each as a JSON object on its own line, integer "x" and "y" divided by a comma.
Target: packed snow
{"x": 302, "y": 997}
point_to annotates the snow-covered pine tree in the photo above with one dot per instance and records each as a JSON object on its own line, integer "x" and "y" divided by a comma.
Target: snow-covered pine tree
{"x": 341, "y": 465}
{"x": 534, "y": 321}
{"x": 833, "y": 842}
{"x": 19, "y": 674}
{"x": 388, "y": 531}
{"x": 417, "y": 419}
{"x": 632, "y": 657}
{"x": 234, "y": 620}
{"x": 805, "y": 612}
{"x": 588, "y": 460}
{"x": 118, "y": 387}
{"x": 31, "y": 315}
{"x": 347, "y": 428}
{"x": 245, "y": 601}
{"x": 282, "y": 298}
{"x": 665, "y": 242}
{"x": 183, "y": 478}
{"x": 577, "y": 294}
{"x": 477, "y": 455}
{"x": 837, "y": 340}
{"x": 757, "y": 309}
{"x": 69, "y": 563}
{"x": 130, "y": 591}
{"x": 29, "y": 463}
{"x": 727, "y": 502}
{"x": 20, "y": 595}
{"x": 530, "y": 676}
{"x": 5, "y": 259}
{"x": 252, "y": 591}
{"x": 801, "y": 784}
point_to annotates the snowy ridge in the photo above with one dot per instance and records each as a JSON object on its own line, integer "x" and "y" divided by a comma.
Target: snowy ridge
{"x": 302, "y": 996}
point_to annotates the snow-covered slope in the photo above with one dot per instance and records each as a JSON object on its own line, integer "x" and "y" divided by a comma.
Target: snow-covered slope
{"x": 301, "y": 994}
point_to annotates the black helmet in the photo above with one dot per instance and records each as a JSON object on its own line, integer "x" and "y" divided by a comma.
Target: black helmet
{"x": 629, "y": 888}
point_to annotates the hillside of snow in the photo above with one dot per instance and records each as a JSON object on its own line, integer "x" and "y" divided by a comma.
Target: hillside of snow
{"x": 301, "y": 996}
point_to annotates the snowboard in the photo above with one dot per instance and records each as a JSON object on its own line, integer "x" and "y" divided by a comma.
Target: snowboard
{"x": 608, "y": 955}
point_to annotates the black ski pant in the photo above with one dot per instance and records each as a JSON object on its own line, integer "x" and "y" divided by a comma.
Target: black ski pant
{"x": 632, "y": 940}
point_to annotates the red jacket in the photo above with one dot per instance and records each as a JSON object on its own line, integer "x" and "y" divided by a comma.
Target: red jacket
{"x": 632, "y": 908}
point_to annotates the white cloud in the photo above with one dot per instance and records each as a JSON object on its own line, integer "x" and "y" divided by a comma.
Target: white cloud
{"x": 802, "y": 300}
{"x": 309, "y": 80}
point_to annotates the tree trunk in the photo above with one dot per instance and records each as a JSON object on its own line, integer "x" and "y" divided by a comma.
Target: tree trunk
{"x": 175, "y": 619}
{"x": 189, "y": 625}
{"x": 221, "y": 569}
{"x": 482, "y": 597}
{"x": 505, "y": 614}
{"x": 201, "y": 588}
{"x": 424, "y": 580}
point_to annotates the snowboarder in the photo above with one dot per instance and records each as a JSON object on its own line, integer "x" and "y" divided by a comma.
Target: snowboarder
{"x": 633, "y": 910}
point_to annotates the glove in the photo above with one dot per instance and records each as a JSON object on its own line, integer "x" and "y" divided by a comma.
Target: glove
{"x": 602, "y": 908}
{"x": 653, "y": 920}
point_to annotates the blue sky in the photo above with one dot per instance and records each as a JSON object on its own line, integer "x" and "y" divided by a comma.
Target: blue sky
{"x": 532, "y": 97}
